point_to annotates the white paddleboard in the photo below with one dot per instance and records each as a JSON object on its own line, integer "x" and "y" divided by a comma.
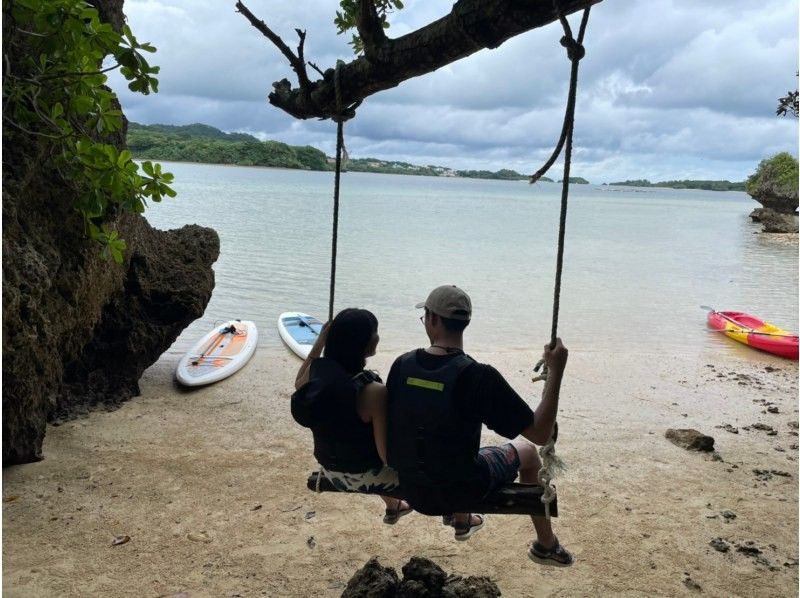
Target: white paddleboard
{"x": 220, "y": 353}
{"x": 299, "y": 331}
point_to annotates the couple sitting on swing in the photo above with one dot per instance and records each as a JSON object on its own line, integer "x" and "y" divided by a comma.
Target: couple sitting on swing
{"x": 422, "y": 429}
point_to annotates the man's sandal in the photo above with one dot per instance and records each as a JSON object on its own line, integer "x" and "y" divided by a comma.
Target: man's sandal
{"x": 465, "y": 530}
{"x": 556, "y": 555}
{"x": 392, "y": 516}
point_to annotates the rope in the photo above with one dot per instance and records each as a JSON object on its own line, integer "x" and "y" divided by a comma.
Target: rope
{"x": 337, "y": 177}
{"x": 552, "y": 465}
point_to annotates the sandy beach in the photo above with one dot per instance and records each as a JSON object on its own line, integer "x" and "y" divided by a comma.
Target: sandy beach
{"x": 209, "y": 485}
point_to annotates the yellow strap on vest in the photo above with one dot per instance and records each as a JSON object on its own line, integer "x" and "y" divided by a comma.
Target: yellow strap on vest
{"x": 429, "y": 384}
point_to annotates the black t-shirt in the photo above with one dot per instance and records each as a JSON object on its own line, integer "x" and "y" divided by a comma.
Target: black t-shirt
{"x": 483, "y": 397}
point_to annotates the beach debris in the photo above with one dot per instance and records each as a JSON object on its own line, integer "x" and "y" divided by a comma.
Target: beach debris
{"x": 772, "y": 409}
{"x": 690, "y": 439}
{"x": 311, "y": 542}
{"x": 763, "y": 474}
{"x": 256, "y": 508}
{"x": 201, "y": 536}
{"x": 763, "y": 427}
{"x": 691, "y": 584}
{"x": 118, "y": 540}
{"x": 728, "y": 515}
{"x": 728, "y": 428}
{"x": 290, "y": 509}
{"x": 421, "y": 577}
{"x": 711, "y": 515}
{"x": 719, "y": 545}
{"x": 748, "y": 548}
{"x": 793, "y": 425}
{"x": 10, "y": 498}
{"x": 311, "y": 515}
{"x": 790, "y": 562}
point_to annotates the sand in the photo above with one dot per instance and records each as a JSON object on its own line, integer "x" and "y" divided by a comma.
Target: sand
{"x": 209, "y": 486}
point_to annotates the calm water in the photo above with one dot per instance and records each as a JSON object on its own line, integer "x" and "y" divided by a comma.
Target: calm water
{"x": 638, "y": 263}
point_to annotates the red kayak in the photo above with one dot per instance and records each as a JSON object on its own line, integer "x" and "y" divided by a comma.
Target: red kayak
{"x": 754, "y": 332}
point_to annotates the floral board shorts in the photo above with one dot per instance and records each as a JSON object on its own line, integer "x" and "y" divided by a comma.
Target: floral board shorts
{"x": 373, "y": 481}
{"x": 502, "y": 463}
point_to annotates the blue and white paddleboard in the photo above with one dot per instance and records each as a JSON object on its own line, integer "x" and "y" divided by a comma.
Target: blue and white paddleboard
{"x": 299, "y": 331}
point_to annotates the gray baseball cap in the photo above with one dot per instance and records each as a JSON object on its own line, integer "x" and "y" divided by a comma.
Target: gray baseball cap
{"x": 448, "y": 301}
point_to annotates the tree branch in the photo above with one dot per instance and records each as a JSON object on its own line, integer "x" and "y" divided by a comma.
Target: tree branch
{"x": 472, "y": 25}
{"x": 370, "y": 29}
{"x": 297, "y": 64}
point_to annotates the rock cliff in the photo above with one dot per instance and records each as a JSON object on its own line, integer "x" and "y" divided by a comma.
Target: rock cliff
{"x": 79, "y": 329}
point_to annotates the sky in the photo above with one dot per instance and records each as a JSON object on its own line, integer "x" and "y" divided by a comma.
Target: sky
{"x": 669, "y": 89}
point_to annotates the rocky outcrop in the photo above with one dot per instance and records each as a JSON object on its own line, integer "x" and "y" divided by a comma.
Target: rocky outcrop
{"x": 79, "y": 329}
{"x": 775, "y": 222}
{"x": 422, "y": 578}
{"x": 782, "y": 204}
{"x": 774, "y": 186}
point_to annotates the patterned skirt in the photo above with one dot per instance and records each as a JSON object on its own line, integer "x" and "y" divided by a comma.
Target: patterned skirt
{"x": 373, "y": 481}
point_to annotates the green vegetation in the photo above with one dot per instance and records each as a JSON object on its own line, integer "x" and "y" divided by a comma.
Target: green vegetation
{"x": 576, "y": 180}
{"x": 686, "y": 184}
{"x": 202, "y": 143}
{"x": 775, "y": 177}
{"x": 346, "y": 18}
{"x": 54, "y": 91}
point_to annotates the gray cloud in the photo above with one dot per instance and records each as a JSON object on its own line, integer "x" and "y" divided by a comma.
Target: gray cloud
{"x": 669, "y": 88}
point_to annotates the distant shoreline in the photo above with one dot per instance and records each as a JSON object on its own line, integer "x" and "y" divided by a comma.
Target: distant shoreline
{"x": 203, "y": 144}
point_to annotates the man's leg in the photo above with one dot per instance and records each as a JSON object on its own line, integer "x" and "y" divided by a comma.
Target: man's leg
{"x": 529, "y": 465}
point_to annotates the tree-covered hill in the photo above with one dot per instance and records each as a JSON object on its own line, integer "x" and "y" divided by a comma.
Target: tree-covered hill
{"x": 202, "y": 143}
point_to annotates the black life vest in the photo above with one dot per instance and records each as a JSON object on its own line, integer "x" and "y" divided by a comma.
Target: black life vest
{"x": 430, "y": 442}
{"x": 327, "y": 405}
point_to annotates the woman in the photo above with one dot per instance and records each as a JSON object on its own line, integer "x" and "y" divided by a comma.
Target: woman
{"x": 345, "y": 407}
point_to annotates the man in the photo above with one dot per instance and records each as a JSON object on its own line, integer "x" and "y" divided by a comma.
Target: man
{"x": 439, "y": 398}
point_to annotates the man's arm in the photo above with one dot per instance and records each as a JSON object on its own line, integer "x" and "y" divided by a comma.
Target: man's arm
{"x": 541, "y": 428}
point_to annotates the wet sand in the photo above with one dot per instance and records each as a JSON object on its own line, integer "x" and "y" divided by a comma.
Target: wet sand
{"x": 210, "y": 487}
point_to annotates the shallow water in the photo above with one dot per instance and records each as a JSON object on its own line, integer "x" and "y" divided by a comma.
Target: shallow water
{"x": 638, "y": 262}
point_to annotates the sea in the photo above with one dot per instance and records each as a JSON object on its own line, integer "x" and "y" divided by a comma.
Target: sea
{"x": 638, "y": 263}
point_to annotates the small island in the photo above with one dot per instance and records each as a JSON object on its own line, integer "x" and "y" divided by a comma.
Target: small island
{"x": 684, "y": 184}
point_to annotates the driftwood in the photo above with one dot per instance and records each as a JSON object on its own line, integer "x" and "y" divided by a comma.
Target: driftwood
{"x": 511, "y": 499}
{"x": 472, "y": 25}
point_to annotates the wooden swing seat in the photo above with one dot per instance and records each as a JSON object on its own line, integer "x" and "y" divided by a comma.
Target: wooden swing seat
{"x": 510, "y": 499}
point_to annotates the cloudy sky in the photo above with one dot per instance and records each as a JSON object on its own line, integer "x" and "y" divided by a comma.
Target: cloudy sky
{"x": 669, "y": 89}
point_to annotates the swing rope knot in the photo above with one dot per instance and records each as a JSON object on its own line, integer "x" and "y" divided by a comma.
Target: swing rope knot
{"x": 575, "y": 50}
{"x": 343, "y": 113}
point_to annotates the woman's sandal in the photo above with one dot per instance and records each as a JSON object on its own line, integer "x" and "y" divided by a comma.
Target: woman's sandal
{"x": 465, "y": 530}
{"x": 556, "y": 555}
{"x": 392, "y": 516}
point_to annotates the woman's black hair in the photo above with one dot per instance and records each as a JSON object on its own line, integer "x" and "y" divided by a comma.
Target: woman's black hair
{"x": 349, "y": 336}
